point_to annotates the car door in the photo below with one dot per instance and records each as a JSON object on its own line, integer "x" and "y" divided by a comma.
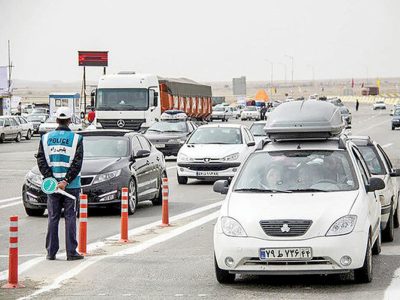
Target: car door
{"x": 15, "y": 128}
{"x": 8, "y": 134}
{"x": 152, "y": 172}
{"x": 374, "y": 205}
{"x": 393, "y": 181}
{"x": 138, "y": 168}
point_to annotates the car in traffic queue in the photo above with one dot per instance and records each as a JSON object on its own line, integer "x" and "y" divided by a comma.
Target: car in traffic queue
{"x": 113, "y": 159}
{"x": 10, "y": 129}
{"x": 396, "y": 119}
{"x": 36, "y": 120}
{"x": 380, "y": 166}
{"x": 214, "y": 151}
{"x": 250, "y": 113}
{"x": 379, "y": 104}
{"x": 257, "y": 130}
{"x": 220, "y": 112}
{"x": 346, "y": 114}
{"x": 51, "y": 124}
{"x": 286, "y": 213}
{"x": 39, "y": 111}
{"x": 171, "y": 132}
{"x": 26, "y": 126}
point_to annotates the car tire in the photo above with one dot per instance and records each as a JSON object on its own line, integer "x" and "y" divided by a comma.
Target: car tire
{"x": 365, "y": 273}
{"x": 158, "y": 199}
{"x": 2, "y": 138}
{"x": 28, "y": 135}
{"x": 223, "y": 276}
{"x": 393, "y": 128}
{"x": 377, "y": 247}
{"x": 388, "y": 232}
{"x": 132, "y": 197}
{"x": 396, "y": 217}
{"x": 18, "y": 138}
{"x": 182, "y": 179}
{"x": 34, "y": 212}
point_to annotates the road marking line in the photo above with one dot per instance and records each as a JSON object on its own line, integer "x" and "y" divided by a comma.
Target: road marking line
{"x": 95, "y": 245}
{"x": 387, "y": 145}
{"x": 10, "y": 199}
{"x": 129, "y": 251}
{"x": 10, "y": 204}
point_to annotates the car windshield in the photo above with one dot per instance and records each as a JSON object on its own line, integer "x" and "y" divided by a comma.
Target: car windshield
{"x": 297, "y": 171}
{"x": 122, "y": 99}
{"x": 257, "y": 129}
{"x": 105, "y": 146}
{"x": 250, "y": 108}
{"x": 38, "y": 118}
{"x": 372, "y": 159}
{"x": 218, "y": 109}
{"x": 39, "y": 111}
{"x": 216, "y": 135}
{"x": 168, "y": 127}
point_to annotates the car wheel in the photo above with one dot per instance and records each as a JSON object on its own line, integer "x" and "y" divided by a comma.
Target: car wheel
{"x": 158, "y": 199}
{"x": 18, "y": 138}
{"x": 28, "y": 135}
{"x": 2, "y": 137}
{"x": 396, "y": 217}
{"x": 388, "y": 232}
{"x": 182, "y": 179}
{"x": 392, "y": 127}
{"x": 132, "y": 197}
{"x": 34, "y": 212}
{"x": 223, "y": 276}
{"x": 377, "y": 247}
{"x": 364, "y": 274}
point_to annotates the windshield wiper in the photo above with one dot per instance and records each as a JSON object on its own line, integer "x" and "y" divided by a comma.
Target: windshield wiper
{"x": 309, "y": 190}
{"x": 173, "y": 131}
{"x": 256, "y": 190}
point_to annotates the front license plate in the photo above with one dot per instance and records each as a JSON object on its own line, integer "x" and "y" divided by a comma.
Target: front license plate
{"x": 286, "y": 253}
{"x": 206, "y": 173}
{"x": 160, "y": 145}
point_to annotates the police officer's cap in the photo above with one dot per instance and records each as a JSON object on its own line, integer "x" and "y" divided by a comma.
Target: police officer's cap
{"x": 63, "y": 113}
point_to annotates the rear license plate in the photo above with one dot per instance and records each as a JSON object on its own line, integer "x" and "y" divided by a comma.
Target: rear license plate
{"x": 286, "y": 253}
{"x": 160, "y": 145}
{"x": 206, "y": 173}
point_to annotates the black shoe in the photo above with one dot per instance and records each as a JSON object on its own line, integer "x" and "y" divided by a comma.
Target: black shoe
{"x": 50, "y": 257}
{"x": 75, "y": 257}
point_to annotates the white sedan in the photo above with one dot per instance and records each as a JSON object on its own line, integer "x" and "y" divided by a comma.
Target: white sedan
{"x": 214, "y": 152}
{"x": 379, "y": 104}
{"x": 250, "y": 113}
{"x": 51, "y": 124}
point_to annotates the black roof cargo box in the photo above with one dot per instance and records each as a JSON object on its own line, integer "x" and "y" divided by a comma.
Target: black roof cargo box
{"x": 304, "y": 120}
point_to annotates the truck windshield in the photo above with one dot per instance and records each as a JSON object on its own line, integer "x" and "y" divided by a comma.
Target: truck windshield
{"x": 122, "y": 99}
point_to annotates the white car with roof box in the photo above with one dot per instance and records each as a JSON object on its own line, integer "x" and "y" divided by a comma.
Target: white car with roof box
{"x": 380, "y": 166}
{"x": 286, "y": 213}
{"x": 214, "y": 151}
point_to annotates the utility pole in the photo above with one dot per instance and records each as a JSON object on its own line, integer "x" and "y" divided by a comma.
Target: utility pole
{"x": 284, "y": 65}
{"x": 10, "y": 66}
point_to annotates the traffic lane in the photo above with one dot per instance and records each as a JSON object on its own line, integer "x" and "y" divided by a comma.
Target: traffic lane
{"x": 102, "y": 223}
{"x": 184, "y": 267}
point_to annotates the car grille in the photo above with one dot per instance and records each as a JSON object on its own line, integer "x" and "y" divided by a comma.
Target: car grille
{"x": 278, "y": 227}
{"x": 209, "y": 166}
{"x": 86, "y": 180}
{"x": 130, "y": 124}
{"x": 314, "y": 261}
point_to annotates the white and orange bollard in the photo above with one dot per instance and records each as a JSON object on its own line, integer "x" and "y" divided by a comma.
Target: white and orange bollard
{"x": 83, "y": 216}
{"x": 124, "y": 216}
{"x": 165, "y": 192}
{"x": 12, "y": 282}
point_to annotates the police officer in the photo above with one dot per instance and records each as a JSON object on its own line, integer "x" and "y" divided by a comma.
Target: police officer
{"x": 60, "y": 156}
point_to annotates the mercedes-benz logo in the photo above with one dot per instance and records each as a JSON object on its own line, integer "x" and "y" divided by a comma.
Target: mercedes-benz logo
{"x": 285, "y": 228}
{"x": 120, "y": 123}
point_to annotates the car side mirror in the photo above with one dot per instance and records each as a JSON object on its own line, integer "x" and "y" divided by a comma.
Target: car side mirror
{"x": 221, "y": 186}
{"x": 375, "y": 184}
{"x": 141, "y": 154}
{"x": 251, "y": 144}
{"x": 395, "y": 173}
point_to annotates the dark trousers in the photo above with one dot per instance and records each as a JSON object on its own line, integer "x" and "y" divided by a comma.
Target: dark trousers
{"x": 55, "y": 203}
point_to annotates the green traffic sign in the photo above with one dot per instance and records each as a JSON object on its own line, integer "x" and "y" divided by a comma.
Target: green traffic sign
{"x": 49, "y": 185}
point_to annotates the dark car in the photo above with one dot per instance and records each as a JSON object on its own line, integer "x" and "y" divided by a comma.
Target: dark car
{"x": 36, "y": 120}
{"x": 168, "y": 136}
{"x": 113, "y": 159}
{"x": 396, "y": 119}
{"x": 346, "y": 114}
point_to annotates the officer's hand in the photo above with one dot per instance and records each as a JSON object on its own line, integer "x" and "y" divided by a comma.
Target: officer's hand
{"x": 62, "y": 185}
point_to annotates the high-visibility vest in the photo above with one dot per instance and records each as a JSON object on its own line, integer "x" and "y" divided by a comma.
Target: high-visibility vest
{"x": 59, "y": 148}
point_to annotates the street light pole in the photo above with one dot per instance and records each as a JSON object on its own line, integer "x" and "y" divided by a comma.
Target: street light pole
{"x": 284, "y": 65}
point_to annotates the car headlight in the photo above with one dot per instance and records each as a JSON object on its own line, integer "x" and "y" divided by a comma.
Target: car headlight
{"x": 34, "y": 178}
{"x": 184, "y": 158}
{"x": 106, "y": 176}
{"x": 231, "y": 227}
{"x": 342, "y": 226}
{"x": 231, "y": 157}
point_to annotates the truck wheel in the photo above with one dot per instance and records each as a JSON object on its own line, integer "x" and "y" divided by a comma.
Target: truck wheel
{"x": 364, "y": 274}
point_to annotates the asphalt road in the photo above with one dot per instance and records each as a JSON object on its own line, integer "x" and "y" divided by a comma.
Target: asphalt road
{"x": 174, "y": 262}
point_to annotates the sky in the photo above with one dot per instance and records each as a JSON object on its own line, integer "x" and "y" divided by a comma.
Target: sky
{"x": 207, "y": 40}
